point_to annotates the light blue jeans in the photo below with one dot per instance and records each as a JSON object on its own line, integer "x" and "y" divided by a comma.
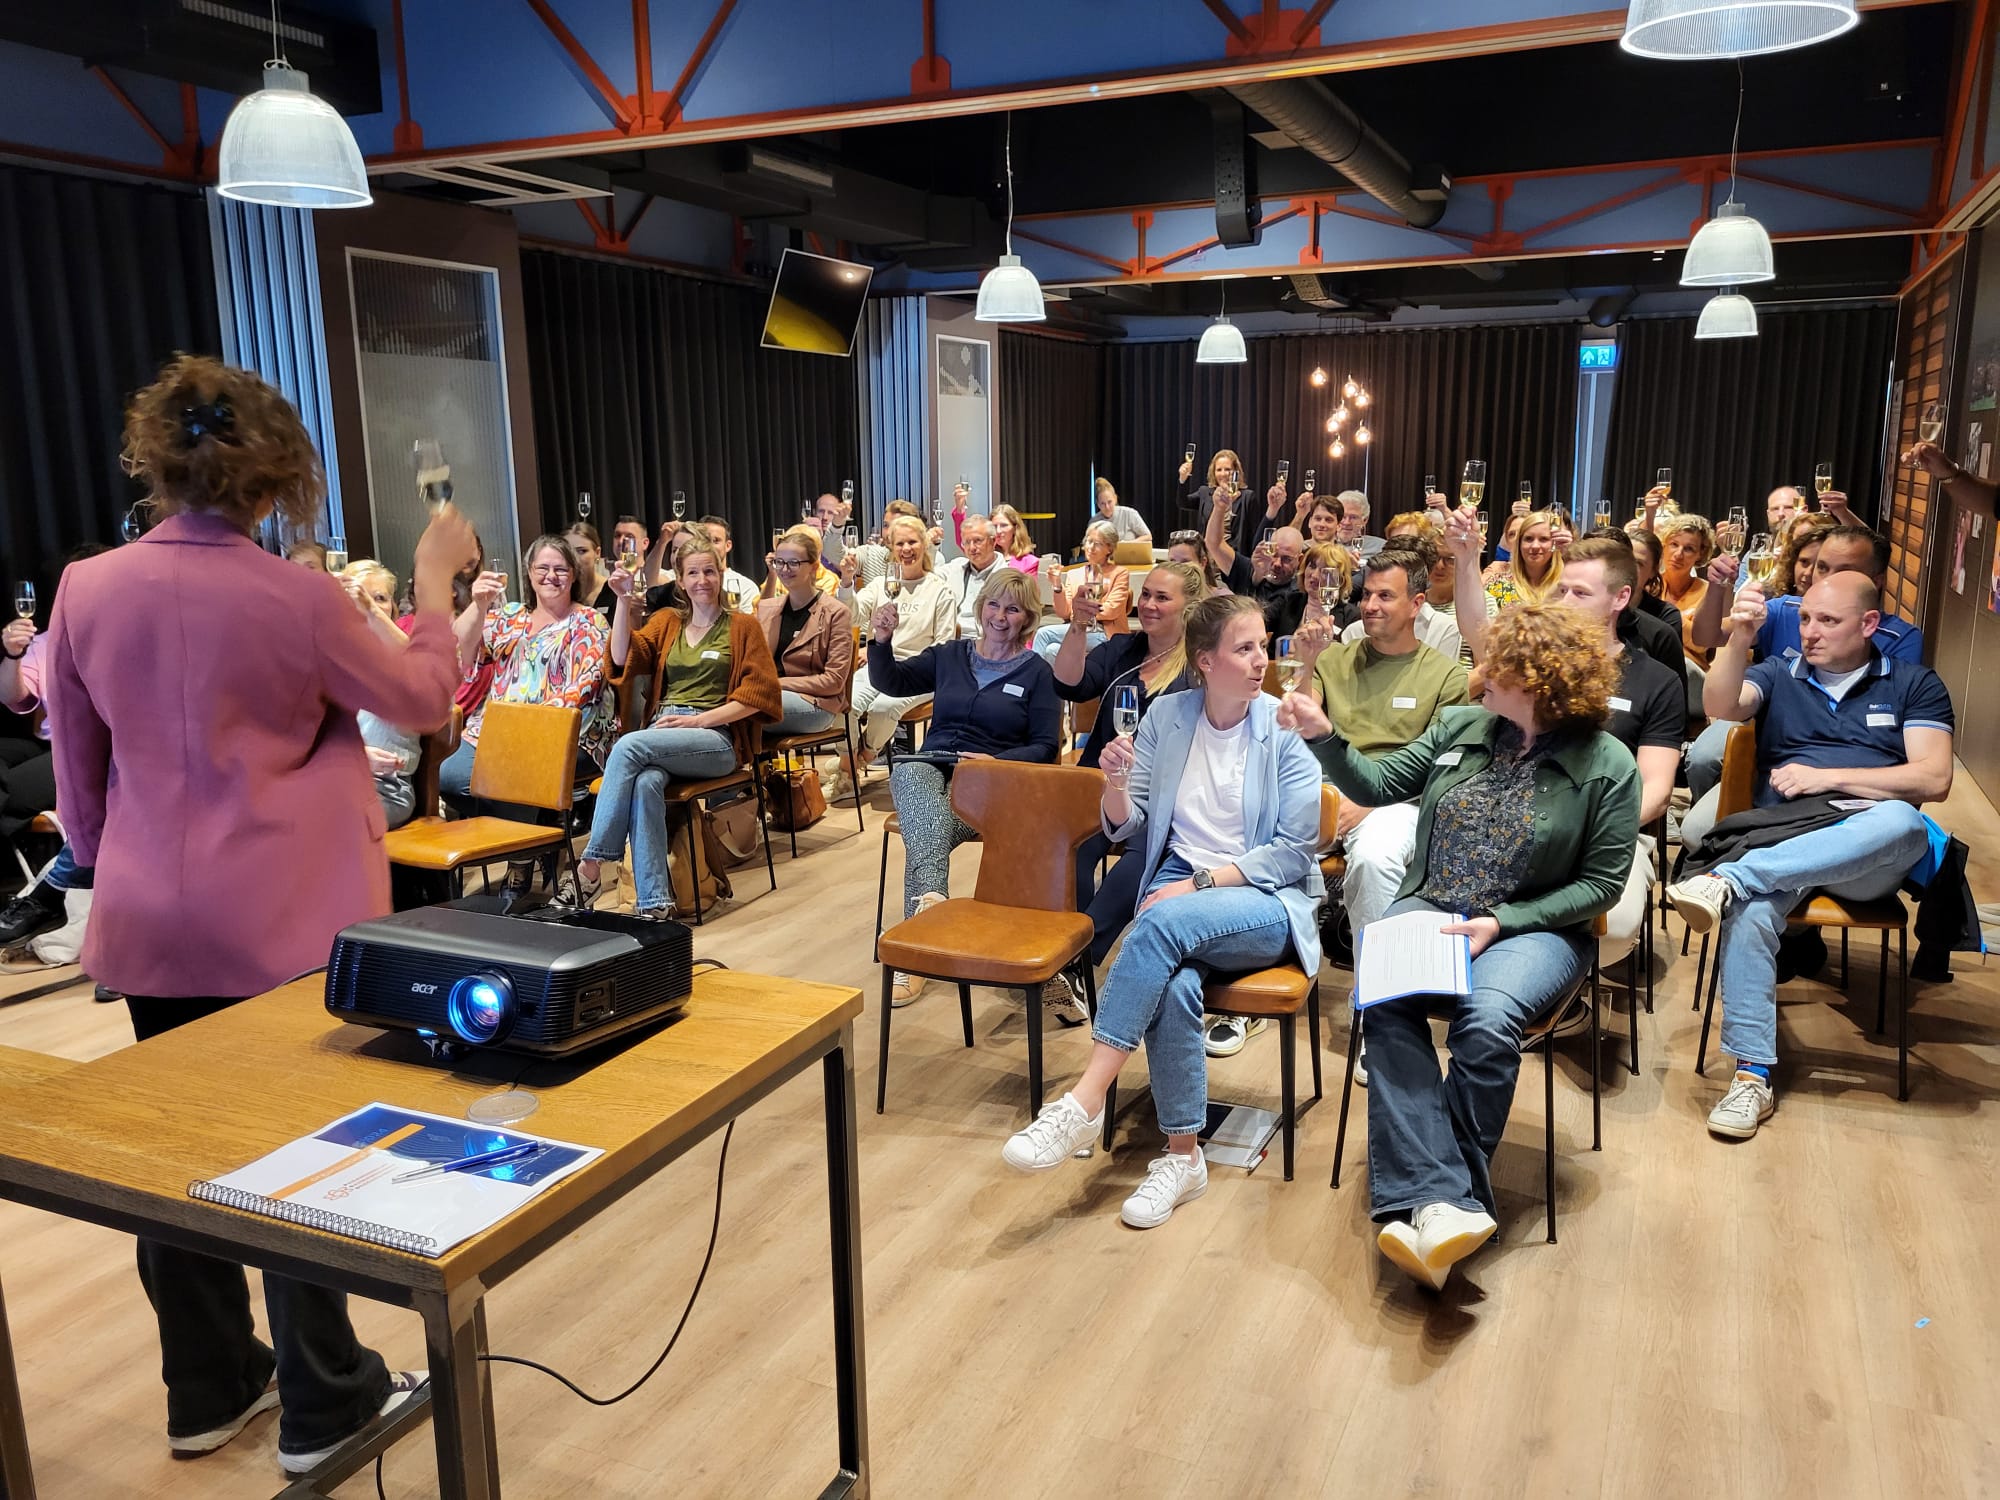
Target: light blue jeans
{"x": 1431, "y": 1136}
{"x": 1861, "y": 858}
{"x": 801, "y": 716}
{"x": 1153, "y": 992}
{"x": 1049, "y": 639}
{"x": 1704, "y": 758}
{"x": 632, "y": 801}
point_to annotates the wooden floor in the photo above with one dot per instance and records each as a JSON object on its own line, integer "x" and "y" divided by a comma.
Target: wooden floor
{"x": 1810, "y": 1313}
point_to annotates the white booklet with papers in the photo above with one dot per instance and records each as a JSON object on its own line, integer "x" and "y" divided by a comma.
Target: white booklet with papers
{"x": 1410, "y": 955}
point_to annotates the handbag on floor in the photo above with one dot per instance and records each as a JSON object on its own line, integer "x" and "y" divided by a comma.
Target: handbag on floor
{"x": 794, "y": 800}
{"x": 694, "y": 859}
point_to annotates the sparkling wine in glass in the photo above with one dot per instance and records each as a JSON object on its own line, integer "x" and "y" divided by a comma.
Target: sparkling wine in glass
{"x": 1930, "y": 427}
{"x": 847, "y": 492}
{"x": 1480, "y": 520}
{"x": 680, "y": 505}
{"x": 1735, "y": 529}
{"x": 777, "y": 536}
{"x": 1663, "y": 481}
{"x": 1822, "y": 478}
{"x": 1430, "y": 488}
{"x": 1289, "y": 665}
{"x": 1600, "y": 515}
{"x": 892, "y": 581}
{"x": 1525, "y": 493}
{"x": 1329, "y": 596}
{"x": 24, "y": 600}
{"x": 336, "y": 553}
{"x": 585, "y": 507}
{"x": 1125, "y": 710}
{"x": 628, "y": 553}
{"x": 1311, "y": 480}
{"x": 1472, "y": 486}
{"x": 850, "y": 537}
{"x": 1761, "y": 561}
{"x": 433, "y": 473}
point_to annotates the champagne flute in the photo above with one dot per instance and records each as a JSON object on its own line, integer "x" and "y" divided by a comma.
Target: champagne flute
{"x": 498, "y": 569}
{"x": 628, "y": 553}
{"x": 1052, "y": 569}
{"x": 583, "y": 506}
{"x": 810, "y": 514}
{"x": 1761, "y": 561}
{"x": 1288, "y": 664}
{"x": 1472, "y": 486}
{"x": 1600, "y": 514}
{"x": 1430, "y": 488}
{"x": 336, "y": 553}
{"x": 1125, "y": 718}
{"x": 1480, "y": 520}
{"x": 24, "y": 600}
{"x": 1735, "y": 529}
{"x": 892, "y": 585}
{"x": 777, "y": 536}
{"x": 1311, "y": 480}
{"x": 847, "y": 492}
{"x": 1663, "y": 481}
{"x": 680, "y": 505}
{"x": 1930, "y": 426}
{"x": 132, "y": 528}
{"x": 850, "y": 537}
{"x": 1525, "y": 491}
{"x": 433, "y": 473}
{"x": 1822, "y": 477}
{"x": 1329, "y": 592}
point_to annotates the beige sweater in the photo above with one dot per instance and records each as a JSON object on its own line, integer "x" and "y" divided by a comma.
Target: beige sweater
{"x": 926, "y": 613}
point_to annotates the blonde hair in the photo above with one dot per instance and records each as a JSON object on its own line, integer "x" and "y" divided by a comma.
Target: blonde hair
{"x": 1234, "y": 462}
{"x": 701, "y": 547}
{"x": 360, "y": 572}
{"x": 1700, "y": 526}
{"x": 1207, "y": 621}
{"x": 923, "y": 535}
{"x": 1555, "y": 654}
{"x": 1023, "y": 543}
{"x": 1425, "y": 523}
{"x": 1104, "y": 484}
{"x": 1330, "y": 555}
{"x": 1194, "y": 589}
{"x": 806, "y": 538}
{"x": 1022, "y": 590}
{"x": 1545, "y": 591}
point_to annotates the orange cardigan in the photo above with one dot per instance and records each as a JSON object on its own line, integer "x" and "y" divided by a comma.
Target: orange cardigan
{"x": 753, "y": 676}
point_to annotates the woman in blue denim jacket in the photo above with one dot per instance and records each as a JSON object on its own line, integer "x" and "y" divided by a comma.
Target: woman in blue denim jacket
{"x": 1223, "y": 808}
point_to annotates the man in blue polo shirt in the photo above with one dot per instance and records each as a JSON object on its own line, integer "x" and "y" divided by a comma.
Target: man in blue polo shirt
{"x": 1838, "y": 720}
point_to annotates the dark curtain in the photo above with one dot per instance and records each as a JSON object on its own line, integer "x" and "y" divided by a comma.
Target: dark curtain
{"x": 1735, "y": 418}
{"x": 105, "y": 282}
{"x": 1438, "y": 396}
{"x": 647, "y": 382}
{"x": 1049, "y": 393}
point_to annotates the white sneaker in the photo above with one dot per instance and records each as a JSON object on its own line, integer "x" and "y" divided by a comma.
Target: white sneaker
{"x": 1398, "y": 1242}
{"x": 403, "y": 1384}
{"x": 1171, "y": 1180}
{"x": 197, "y": 1443}
{"x": 1361, "y": 1063}
{"x": 1446, "y": 1234}
{"x": 1748, "y": 1104}
{"x": 1227, "y": 1034}
{"x": 835, "y": 786}
{"x": 1060, "y": 999}
{"x": 904, "y": 988}
{"x": 1701, "y": 901}
{"x": 1059, "y": 1130}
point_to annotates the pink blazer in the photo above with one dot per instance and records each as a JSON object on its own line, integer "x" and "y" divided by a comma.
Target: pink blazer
{"x": 203, "y": 694}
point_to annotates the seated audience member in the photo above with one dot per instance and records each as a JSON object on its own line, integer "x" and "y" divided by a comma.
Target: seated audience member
{"x": 1526, "y": 830}
{"x": 1224, "y": 478}
{"x": 925, "y": 615}
{"x": 549, "y": 652}
{"x": 1270, "y": 575}
{"x": 1436, "y": 628}
{"x": 1688, "y": 545}
{"x": 1189, "y": 547}
{"x": 1801, "y": 551}
{"x": 1353, "y": 534}
{"x": 1327, "y": 575}
{"x": 1154, "y": 660}
{"x": 1127, "y": 522}
{"x": 307, "y": 554}
{"x": 466, "y": 616}
{"x": 993, "y": 698}
{"x": 966, "y": 576}
{"x": 1655, "y": 510}
{"x": 1111, "y": 583}
{"x": 1384, "y": 689}
{"x": 1221, "y": 810}
{"x": 1781, "y": 507}
{"x": 811, "y": 636}
{"x": 1649, "y": 554}
{"x": 741, "y": 593}
{"x": 1319, "y": 519}
{"x": 629, "y": 535}
{"x": 593, "y": 585}
{"x": 392, "y": 752}
{"x": 1534, "y": 563}
{"x": 1010, "y": 535}
{"x": 1648, "y": 713}
{"x": 713, "y": 685}
{"x": 1657, "y": 637}
{"x": 1839, "y": 723}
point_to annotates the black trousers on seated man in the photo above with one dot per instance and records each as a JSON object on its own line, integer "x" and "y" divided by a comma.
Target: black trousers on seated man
{"x": 211, "y": 1359}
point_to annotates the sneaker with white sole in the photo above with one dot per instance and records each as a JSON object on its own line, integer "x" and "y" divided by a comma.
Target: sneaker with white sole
{"x": 194, "y": 1444}
{"x": 1398, "y": 1242}
{"x": 403, "y": 1384}
{"x": 1171, "y": 1180}
{"x": 1446, "y": 1234}
{"x": 1227, "y": 1034}
{"x": 1361, "y": 1063}
{"x": 1702, "y": 901}
{"x": 1060, "y": 999}
{"x": 904, "y": 988}
{"x": 1059, "y": 1130}
{"x": 1748, "y": 1104}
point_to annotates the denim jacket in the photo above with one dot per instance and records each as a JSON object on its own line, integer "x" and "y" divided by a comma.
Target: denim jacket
{"x": 1586, "y": 811}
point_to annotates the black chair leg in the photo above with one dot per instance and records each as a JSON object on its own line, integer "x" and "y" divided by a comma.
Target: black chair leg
{"x": 1346, "y": 1093}
{"x": 881, "y": 890}
{"x": 1707, "y": 1015}
{"x": 854, "y": 778}
{"x": 1632, "y": 1001}
{"x": 1902, "y": 1014}
{"x": 764, "y": 826}
{"x": 1288, "y": 1043}
{"x": 965, "y": 1010}
{"x": 1312, "y": 1032}
{"x": 1882, "y": 986}
{"x": 1596, "y": 1052}
{"x": 1700, "y": 970}
{"x": 694, "y": 861}
{"x": 1549, "y": 1124}
{"x": 1033, "y": 996}
{"x": 1843, "y": 960}
{"x": 882, "y": 1061}
{"x": 1647, "y": 960}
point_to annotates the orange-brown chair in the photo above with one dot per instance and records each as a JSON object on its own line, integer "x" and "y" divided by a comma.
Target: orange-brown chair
{"x": 1020, "y": 927}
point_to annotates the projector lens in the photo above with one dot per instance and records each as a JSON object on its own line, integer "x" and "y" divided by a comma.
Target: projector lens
{"x": 481, "y": 1007}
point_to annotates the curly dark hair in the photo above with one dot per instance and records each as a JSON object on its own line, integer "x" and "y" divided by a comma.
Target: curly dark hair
{"x": 1556, "y": 655}
{"x": 206, "y": 436}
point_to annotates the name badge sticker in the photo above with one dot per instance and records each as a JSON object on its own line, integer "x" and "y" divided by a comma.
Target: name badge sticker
{"x": 1451, "y": 757}
{"x": 1013, "y": 689}
{"x": 1881, "y": 721}
{"x": 711, "y": 656}
{"x": 1402, "y": 703}
{"x": 1622, "y": 705}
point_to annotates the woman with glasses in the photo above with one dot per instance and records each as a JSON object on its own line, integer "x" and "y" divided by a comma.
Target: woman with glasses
{"x": 712, "y": 684}
{"x": 1108, "y": 586}
{"x": 811, "y": 636}
{"x": 926, "y": 614}
{"x": 551, "y": 651}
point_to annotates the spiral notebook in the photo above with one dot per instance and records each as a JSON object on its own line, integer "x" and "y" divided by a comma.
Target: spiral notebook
{"x": 340, "y": 1179}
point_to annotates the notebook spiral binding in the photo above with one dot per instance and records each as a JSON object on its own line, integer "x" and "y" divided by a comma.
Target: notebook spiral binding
{"x": 314, "y": 1218}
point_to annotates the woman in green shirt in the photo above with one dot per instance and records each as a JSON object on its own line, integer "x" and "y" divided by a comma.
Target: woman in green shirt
{"x": 1528, "y": 818}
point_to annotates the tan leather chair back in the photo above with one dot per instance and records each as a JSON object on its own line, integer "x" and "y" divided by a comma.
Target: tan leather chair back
{"x": 1329, "y": 815}
{"x": 1739, "y": 772}
{"x": 1031, "y": 820}
{"x": 1083, "y": 717}
{"x": 527, "y": 754}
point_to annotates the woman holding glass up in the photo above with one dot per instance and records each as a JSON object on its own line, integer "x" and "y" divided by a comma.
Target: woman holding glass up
{"x": 1225, "y": 807}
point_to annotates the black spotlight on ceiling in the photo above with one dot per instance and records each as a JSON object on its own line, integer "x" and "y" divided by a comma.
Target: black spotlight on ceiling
{"x": 1609, "y": 308}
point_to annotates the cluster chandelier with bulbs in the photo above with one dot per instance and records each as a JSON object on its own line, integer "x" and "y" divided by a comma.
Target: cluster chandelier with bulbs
{"x": 1354, "y": 399}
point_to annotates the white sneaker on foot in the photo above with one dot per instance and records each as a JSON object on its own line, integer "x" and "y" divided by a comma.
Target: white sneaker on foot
{"x": 403, "y": 1384}
{"x": 1446, "y": 1234}
{"x": 904, "y": 988}
{"x": 1171, "y": 1180}
{"x": 1701, "y": 900}
{"x": 1398, "y": 1242}
{"x": 197, "y": 1443}
{"x": 1058, "y": 1131}
{"x": 1748, "y": 1104}
{"x": 1361, "y": 1063}
{"x": 1060, "y": 999}
{"x": 1227, "y": 1034}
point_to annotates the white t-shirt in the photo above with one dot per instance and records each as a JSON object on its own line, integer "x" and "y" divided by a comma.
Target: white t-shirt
{"x": 1208, "y": 809}
{"x": 1131, "y": 525}
{"x": 966, "y": 584}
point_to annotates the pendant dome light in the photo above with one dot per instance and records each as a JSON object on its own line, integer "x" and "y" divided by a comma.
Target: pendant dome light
{"x": 1222, "y": 341}
{"x": 1681, "y": 30}
{"x": 1731, "y": 249}
{"x": 285, "y": 146}
{"x": 1009, "y": 292}
{"x": 1727, "y": 315}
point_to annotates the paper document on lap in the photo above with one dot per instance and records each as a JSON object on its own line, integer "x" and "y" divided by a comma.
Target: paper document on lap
{"x": 1410, "y": 955}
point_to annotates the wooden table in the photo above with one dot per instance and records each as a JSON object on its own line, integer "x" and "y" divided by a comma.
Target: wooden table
{"x": 116, "y": 1142}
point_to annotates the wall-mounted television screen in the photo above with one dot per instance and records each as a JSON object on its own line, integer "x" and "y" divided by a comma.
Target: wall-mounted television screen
{"x": 816, "y": 304}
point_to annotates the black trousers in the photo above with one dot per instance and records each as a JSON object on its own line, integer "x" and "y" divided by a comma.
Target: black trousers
{"x": 211, "y": 1359}
{"x": 1111, "y": 905}
{"x": 27, "y": 784}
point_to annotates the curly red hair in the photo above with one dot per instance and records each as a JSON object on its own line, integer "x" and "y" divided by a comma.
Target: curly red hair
{"x": 1555, "y": 654}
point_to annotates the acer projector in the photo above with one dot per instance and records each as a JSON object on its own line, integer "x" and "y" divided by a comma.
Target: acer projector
{"x": 549, "y": 983}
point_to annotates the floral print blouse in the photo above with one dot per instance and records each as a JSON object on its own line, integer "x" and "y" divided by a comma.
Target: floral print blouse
{"x": 561, "y": 664}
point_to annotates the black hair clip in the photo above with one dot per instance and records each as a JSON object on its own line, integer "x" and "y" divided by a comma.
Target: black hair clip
{"x": 211, "y": 419}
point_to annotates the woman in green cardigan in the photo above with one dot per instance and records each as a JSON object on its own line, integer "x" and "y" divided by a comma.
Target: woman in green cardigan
{"x": 1526, "y": 830}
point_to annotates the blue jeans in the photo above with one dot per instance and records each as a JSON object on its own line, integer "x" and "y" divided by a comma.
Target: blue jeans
{"x": 801, "y": 716}
{"x": 1704, "y": 758}
{"x": 65, "y": 874}
{"x": 455, "y": 774}
{"x": 1154, "y": 990}
{"x": 1861, "y": 858}
{"x": 1431, "y": 1136}
{"x": 455, "y": 786}
{"x": 1049, "y": 639}
{"x": 632, "y": 801}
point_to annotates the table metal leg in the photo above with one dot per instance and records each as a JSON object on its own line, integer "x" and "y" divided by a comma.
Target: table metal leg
{"x": 843, "y": 1189}
{"x": 461, "y": 1395}
{"x": 17, "y": 1475}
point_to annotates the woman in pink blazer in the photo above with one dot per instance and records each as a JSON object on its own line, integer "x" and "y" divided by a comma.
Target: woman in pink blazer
{"x": 203, "y": 695}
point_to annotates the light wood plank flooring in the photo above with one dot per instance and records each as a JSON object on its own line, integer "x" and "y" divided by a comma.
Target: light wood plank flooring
{"x": 1717, "y": 1319}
